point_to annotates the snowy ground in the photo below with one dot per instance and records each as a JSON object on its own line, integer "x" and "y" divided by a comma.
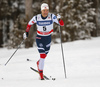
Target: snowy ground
{"x": 82, "y": 64}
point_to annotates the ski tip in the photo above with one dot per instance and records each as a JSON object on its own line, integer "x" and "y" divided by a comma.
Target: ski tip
{"x": 31, "y": 68}
{"x": 53, "y": 79}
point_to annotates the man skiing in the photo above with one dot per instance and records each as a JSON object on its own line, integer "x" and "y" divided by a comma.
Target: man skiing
{"x": 44, "y": 23}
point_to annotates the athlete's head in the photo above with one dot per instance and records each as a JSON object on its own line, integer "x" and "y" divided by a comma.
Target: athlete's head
{"x": 44, "y": 9}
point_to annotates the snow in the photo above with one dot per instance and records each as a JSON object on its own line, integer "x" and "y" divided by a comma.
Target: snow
{"x": 57, "y": 8}
{"x": 15, "y": 4}
{"x": 65, "y": 7}
{"x": 82, "y": 60}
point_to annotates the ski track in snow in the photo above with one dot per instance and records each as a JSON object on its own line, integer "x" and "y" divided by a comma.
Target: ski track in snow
{"x": 82, "y": 60}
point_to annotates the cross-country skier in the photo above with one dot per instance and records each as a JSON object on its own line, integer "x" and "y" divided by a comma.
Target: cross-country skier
{"x": 44, "y": 23}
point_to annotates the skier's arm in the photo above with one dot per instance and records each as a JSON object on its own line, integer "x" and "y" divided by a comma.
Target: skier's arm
{"x": 30, "y": 23}
{"x": 58, "y": 21}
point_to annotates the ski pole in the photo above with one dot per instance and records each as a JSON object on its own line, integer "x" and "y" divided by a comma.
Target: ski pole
{"x": 14, "y": 53}
{"x": 62, "y": 52}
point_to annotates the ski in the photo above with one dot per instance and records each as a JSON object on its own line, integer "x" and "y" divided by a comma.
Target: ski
{"x": 38, "y": 73}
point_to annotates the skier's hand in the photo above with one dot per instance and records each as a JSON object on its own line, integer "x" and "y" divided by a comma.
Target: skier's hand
{"x": 61, "y": 22}
{"x": 58, "y": 16}
{"x": 24, "y": 36}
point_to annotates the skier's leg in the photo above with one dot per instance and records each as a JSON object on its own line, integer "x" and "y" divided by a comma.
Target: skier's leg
{"x": 43, "y": 44}
{"x": 45, "y": 50}
{"x": 40, "y": 63}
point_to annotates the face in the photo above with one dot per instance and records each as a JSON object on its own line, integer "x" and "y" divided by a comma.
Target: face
{"x": 45, "y": 12}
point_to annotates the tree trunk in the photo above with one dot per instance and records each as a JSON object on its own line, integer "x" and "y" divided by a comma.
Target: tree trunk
{"x": 96, "y": 5}
{"x": 29, "y": 14}
{"x": 1, "y": 38}
{"x": 98, "y": 17}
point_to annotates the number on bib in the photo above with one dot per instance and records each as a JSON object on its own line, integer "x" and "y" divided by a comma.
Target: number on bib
{"x": 44, "y": 28}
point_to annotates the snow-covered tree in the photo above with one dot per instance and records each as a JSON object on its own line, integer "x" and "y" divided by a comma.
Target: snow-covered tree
{"x": 77, "y": 16}
{"x": 9, "y": 11}
{"x": 16, "y": 33}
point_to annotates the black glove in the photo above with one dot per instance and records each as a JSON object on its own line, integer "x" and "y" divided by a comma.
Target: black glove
{"x": 27, "y": 34}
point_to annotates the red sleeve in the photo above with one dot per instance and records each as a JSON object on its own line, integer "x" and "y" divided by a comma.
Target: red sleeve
{"x": 61, "y": 22}
{"x": 28, "y": 28}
